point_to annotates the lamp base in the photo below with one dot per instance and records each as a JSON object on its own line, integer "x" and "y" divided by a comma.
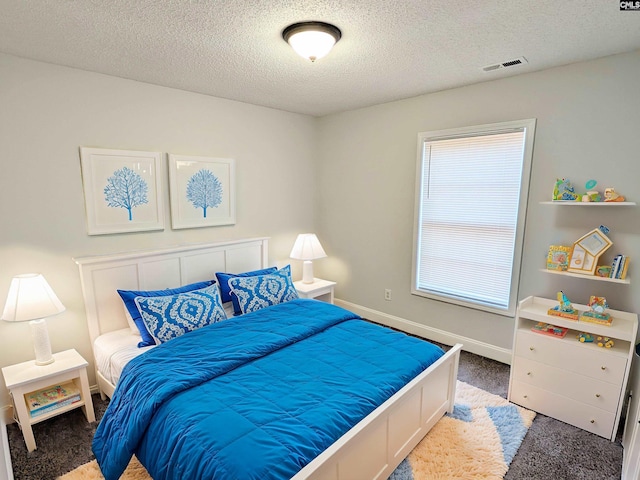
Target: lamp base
{"x": 49, "y": 362}
{"x": 41, "y": 343}
{"x": 307, "y": 272}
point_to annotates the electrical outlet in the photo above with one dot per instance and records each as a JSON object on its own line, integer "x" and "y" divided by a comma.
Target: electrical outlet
{"x": 387, "y": 294}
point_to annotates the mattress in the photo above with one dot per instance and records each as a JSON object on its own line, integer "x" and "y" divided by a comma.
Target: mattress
{"x": 113, "y": 350}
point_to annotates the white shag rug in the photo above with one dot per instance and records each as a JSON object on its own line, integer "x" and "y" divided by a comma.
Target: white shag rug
{"x": 477, "y": 441}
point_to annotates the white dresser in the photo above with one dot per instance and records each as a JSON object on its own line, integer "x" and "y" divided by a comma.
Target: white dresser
{"x": 578, "y": 383}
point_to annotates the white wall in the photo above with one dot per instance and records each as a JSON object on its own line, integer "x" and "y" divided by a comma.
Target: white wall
{"x": 588, "y": 125}
{"x": 47, "y": 112}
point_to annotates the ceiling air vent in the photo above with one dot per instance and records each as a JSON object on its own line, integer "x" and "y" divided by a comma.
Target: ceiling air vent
{"x": 510, "y": 63}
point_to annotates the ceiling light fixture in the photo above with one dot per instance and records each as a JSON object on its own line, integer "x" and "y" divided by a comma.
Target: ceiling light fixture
{"x": 312, "y": 40}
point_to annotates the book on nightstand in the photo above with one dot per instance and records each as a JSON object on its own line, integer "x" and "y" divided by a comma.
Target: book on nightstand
{"x": 52, "y": 398}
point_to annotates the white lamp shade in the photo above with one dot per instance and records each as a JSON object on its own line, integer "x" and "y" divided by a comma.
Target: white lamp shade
{"x": 312, "y": 40}
{"x": 307, "y": 247}
{"x": 30, "y": 297}
{"x": 311, "y": 44}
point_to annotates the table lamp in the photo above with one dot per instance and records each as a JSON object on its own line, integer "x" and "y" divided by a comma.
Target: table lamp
{"x": 307, "y": 248}
{"x": 32, "y": 299}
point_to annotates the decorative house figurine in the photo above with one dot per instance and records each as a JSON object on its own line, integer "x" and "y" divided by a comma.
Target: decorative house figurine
{"x": 597, "y": 312}
{"x": 564, "y": 309}
{"x": 587, "y": 250}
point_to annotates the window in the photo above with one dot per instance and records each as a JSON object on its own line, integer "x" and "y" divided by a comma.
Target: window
{"x": 471, "y": 197}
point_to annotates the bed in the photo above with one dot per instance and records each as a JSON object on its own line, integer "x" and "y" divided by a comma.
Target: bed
{"x": 371, "y": 446}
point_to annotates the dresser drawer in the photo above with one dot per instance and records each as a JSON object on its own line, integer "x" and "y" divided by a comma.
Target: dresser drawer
{"x": 596, "y": 393}
{"x": 578, "y": 414}
{"x": 600, "y": 364}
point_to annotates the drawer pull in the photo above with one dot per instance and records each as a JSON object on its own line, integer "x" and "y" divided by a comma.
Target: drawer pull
{"x": 603, "y": 368}
{"x": 525, "y": 396}
{"x": 593, "y": 421}
{"x": 531, "y": 348}
{"x": 597, "y": 395}
{"x": 529, "y": 373}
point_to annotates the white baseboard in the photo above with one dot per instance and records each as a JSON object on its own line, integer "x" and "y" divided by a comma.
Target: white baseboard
{"x": 6, "y": 472}
{"x": 499, "y": 354}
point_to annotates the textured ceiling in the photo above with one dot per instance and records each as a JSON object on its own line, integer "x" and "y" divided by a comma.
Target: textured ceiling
{"x": 389, "y": 50}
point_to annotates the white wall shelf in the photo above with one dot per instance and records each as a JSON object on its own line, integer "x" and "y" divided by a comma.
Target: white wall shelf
{"x": 588, "y": 204}
{"x": 625, "y": 281}
{"x": 563, "y": 203}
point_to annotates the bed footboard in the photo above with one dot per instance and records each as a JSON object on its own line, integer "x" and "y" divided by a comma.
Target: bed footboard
{"x": 376, "y": 446}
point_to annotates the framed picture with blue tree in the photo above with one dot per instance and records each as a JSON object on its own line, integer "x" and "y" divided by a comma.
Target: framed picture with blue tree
{"x": 122, "y": 190}
{"x": 202, "y": 191}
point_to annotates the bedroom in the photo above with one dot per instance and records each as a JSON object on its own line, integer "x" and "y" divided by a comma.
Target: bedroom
{"x": 347, "y": 176}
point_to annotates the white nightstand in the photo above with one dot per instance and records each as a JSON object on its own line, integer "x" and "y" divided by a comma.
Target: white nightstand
{"x": 319, "y": 289}
{"x": 28, "y": 377}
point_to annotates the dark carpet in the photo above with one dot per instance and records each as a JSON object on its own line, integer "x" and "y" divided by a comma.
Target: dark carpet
{"x": 551, "y": 449}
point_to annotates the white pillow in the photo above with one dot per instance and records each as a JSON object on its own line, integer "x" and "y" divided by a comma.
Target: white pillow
{"x": 132, "y": 325}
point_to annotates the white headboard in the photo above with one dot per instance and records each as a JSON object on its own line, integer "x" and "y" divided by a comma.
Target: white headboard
{"x": 102, "y": 275}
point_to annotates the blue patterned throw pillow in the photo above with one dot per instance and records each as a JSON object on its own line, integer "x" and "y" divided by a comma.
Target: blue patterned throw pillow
{"x": 223, "y": 280}
{"x": 129, "y": 299}
{"x": 170, "y": 316}
{"x": 225, "y": 289}
{"x": 262, "y": 291}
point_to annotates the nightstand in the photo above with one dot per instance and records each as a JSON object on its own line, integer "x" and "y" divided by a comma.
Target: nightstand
{"x": 319, "y": 289}
{"x": 27, "y": 377}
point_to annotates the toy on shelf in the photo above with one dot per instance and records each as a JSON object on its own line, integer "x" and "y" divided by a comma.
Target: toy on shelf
{"x": 605, "y": 342}
{"x": 619, "y": 267}
{"x": 564, "y": 191}
{"x": 564, "y": 309}
{"x": 597, "y": 312}
{"x": 558, "y": 258}
{"x": 585, "y": 337}
{"x": 588, "y": 249}
{"x": 548, "y": 329}
{"x": 591, "y": 195}
{"x": 610, "y": 195}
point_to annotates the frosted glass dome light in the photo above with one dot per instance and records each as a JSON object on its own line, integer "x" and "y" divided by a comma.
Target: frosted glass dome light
{"x": 312, "y": 40}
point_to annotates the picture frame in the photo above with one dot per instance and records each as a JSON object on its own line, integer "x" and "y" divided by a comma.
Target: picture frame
{"x": 202, "y": 191}
{"x": 587, "y": 250}
{"x": 558, "y": 258}
{"x": 122, "y": 190}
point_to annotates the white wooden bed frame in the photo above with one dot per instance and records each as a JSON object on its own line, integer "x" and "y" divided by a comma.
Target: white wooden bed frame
{"x": 370, "y": 450}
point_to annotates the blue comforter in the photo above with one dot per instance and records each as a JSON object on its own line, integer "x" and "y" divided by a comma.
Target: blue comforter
{"x": 254, "y": 397}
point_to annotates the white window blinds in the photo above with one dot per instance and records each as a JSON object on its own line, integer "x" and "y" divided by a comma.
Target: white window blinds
{"x": 470, "y": 196}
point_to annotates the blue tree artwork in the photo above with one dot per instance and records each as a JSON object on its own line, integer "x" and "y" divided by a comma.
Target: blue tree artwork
{"x": 126, "y": 189}
{"x": 204, "y": 190}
